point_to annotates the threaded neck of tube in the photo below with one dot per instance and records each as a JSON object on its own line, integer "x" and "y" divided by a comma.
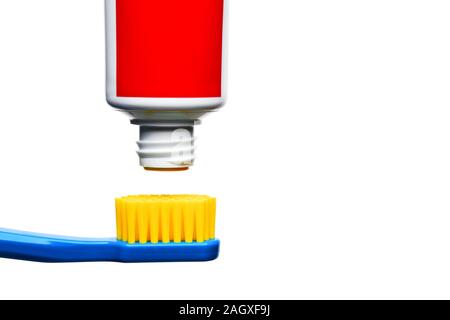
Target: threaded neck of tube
{"x": 166, "y": 146}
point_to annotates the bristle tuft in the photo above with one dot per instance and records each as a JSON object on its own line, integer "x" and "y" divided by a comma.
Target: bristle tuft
{"x": 165, "y": 218}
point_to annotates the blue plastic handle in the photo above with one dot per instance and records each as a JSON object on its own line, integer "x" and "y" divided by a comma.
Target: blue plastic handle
{"x": 46, "y": 248}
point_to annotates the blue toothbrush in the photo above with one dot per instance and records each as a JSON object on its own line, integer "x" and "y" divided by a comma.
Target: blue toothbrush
{"x": 150, "y": 228}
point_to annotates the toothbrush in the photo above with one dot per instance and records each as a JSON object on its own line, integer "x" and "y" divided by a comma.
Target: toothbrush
{"x": 149, "y": 229}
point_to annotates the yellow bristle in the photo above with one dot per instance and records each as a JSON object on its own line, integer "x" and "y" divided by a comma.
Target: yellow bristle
{"x": 188, "y": 218}
{"x": 212, "y": 210}
{"x": 177, "y": 223}
{"x": 119, "y": 218}
{"x": 165, "y": 223}
{"x": 154, "y": 222}
{"x": 165, "y": 218}
{"x": 131, "y": 221}
{"x": 124, "y": 222}
{"x": 207, "y": 221}
{"x": 199, "y": 221}
{"x": 142, "y": 223}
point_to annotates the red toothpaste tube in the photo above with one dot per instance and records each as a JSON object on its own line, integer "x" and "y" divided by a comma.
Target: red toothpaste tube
{"x": 166, "y": 68}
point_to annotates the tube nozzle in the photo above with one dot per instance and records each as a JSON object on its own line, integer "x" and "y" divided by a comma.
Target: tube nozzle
{"x": 165, "y": 146}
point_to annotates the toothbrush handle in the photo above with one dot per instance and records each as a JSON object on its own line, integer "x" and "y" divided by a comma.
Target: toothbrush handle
{"x": 44, "y": 248}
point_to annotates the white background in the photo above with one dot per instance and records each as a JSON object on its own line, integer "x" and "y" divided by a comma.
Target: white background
{"x": 331, "y": 161}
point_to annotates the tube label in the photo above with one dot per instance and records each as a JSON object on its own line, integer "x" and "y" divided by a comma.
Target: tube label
{"x": 169, "y": 48}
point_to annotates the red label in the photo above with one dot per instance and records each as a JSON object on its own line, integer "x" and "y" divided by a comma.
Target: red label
{"x": 169, "y": 48}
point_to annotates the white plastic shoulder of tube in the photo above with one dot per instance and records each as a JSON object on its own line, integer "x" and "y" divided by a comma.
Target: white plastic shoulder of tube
{"x": 165, "y": 103}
